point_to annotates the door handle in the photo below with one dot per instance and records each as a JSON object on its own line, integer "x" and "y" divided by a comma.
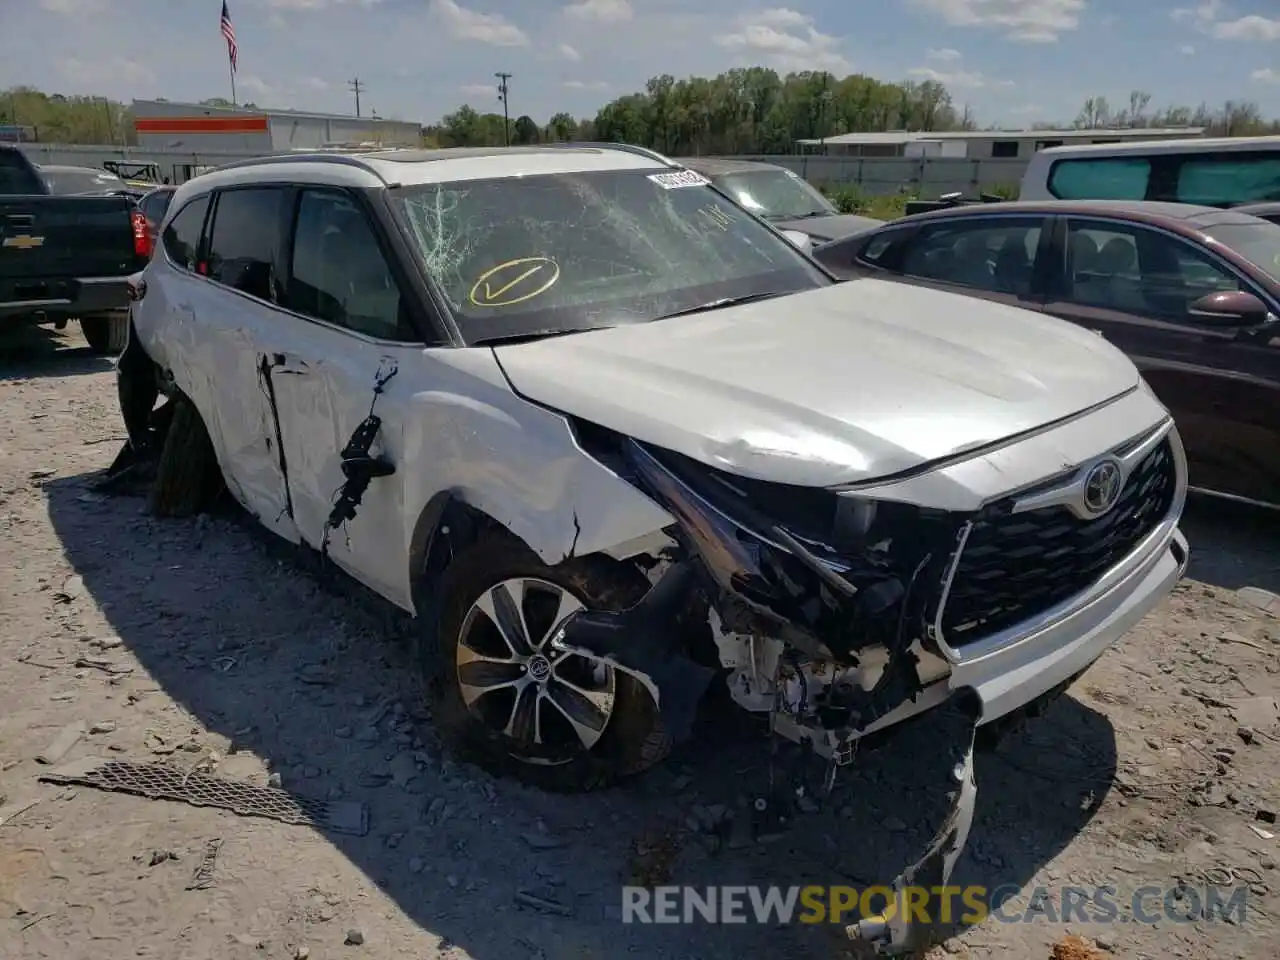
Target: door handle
{"x": 290, "y": 363}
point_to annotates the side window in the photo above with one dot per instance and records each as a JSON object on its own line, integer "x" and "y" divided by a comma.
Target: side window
{"x": 1140, "y": 271}
{"x": 182, "y": 236}
{"x": 874, "y": 250}
{"x": 339, "y": 274}
{"x": 1228, "y": 179}
{"x": 245, "y": 240}
{"x": 1112, "y": 178}
{"x": 987, "y": 254}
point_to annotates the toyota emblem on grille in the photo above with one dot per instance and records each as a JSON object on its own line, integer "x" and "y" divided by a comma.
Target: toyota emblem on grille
{"x": 1102, "y": 487}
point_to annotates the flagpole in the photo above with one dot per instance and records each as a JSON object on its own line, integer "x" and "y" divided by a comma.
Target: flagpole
{"x": 232, "y": 68}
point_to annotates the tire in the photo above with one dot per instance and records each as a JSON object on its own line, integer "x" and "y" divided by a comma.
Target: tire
{"x": 633, "y": 739}
{"x": 188, "y": 478}
{"x": 106, "y": 334}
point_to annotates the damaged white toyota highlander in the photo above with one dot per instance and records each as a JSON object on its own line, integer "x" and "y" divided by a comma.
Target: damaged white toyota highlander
{"x": 610, "y": 437}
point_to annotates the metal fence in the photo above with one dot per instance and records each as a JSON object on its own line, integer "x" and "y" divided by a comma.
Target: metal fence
{"x": 921, "y": 176}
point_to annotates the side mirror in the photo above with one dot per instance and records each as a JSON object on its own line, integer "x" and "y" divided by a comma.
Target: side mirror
{"x": 1229, "y": 308}
{"x": 801, "y": 240}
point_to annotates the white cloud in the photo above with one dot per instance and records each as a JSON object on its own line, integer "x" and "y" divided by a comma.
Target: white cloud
{"x": 957, "y": 79}
{"x": 943, "y": 55}
{"x": 569, "y": 53}
{"x": 1265, "y": 75}
{"x": 1201, "y": 14}
{"x": 605, "y": 11}
{"x": 90, "y": 76}
{"x": 1027, "y": 21}
{"x": 586, "y": 85}
{"x": 491, "y": 28}
{"x": 1207, "y": 18}
{"x": 1252, "y": 27}
{"x": 1187, "y": 50}
{"x": 785, "y": 39}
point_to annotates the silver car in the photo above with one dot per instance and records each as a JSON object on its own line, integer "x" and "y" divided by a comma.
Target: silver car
{"x": 611, "y": 437}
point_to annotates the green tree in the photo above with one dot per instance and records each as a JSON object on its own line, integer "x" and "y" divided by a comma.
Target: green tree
{"x": 526, "y": 130}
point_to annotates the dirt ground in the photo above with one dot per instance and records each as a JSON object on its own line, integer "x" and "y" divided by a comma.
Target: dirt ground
{"x": 198, "y": 643}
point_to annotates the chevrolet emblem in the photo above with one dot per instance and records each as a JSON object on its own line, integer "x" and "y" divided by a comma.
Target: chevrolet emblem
{"x": 24, "y": 242}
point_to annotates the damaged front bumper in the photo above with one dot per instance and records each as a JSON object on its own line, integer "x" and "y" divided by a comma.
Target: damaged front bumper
{"x": 918, "y": 892}
{"x": 850, "y": 630}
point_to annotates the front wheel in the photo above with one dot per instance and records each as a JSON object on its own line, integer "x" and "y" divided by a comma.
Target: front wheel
{"x": 508, "y": 697}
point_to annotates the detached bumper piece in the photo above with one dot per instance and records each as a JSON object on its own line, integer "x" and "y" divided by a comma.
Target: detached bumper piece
{"x": 640, "y": 641}
{"x": 917, "y": 909}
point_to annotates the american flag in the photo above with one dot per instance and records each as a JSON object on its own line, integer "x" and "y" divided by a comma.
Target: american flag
{"x": 229, "y": 31}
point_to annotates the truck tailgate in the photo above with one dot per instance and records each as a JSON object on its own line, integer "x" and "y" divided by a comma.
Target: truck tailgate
{"x": 63, "y": 238}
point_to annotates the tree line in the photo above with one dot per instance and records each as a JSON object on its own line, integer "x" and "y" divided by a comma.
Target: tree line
{"x": 751, "y": 110}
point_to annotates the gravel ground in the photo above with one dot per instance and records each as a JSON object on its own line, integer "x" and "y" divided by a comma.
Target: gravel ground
{"x": 199, "y": 643}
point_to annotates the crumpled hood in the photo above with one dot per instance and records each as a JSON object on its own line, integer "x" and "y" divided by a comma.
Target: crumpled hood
{"x": 835, "y": 227}
{"x": 849, "y": 382}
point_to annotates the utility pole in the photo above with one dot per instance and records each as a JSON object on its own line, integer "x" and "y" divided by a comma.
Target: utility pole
{"x": 355, "y": 86}
{"x": 502, "y": 95}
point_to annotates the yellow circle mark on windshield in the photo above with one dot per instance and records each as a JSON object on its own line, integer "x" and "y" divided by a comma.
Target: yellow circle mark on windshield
{"x": 514, "y": 282}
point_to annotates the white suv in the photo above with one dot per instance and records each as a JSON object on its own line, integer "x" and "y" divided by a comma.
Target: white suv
{"x": 607, "y": 433}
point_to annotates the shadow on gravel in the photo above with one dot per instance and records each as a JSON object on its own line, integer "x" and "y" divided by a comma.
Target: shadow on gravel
{"x": 231, "y": 628}
{"x": 31, "y": 351}
{"x": 1233, "y": 545}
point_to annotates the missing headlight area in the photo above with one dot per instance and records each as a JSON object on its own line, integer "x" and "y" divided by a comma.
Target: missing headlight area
{"x": 818, "y": 604}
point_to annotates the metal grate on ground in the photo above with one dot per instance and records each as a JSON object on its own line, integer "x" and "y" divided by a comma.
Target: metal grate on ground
{"x": 161, "y": 781}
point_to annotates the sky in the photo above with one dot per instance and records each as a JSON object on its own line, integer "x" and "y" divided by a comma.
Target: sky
{"x": 1012, "y": 61}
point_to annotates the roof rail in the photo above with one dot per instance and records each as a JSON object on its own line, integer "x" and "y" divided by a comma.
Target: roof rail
{"x": 346, "y": 159}
{"x": 623, "y": 147}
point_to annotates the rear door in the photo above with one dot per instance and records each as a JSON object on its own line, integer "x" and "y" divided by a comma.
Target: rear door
{"x": 1134, "y": 284}
{"x": 221, "y": 304}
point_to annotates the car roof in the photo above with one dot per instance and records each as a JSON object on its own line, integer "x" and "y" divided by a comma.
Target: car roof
{"x": 717, "y": 167}
{"x": 1193, "y": 216}
{"x": 1258, "y": 209}
{"x": 414, "y": 167}
{"x": 1186, "y": 145}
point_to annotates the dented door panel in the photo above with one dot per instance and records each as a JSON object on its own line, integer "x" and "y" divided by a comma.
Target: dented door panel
{"x": 206, "y": 337}
{"x": 450, "y": 424}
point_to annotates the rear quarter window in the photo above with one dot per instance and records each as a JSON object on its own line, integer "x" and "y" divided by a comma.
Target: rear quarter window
{"x": 1109, "y": 178}
{"x": 181, "y": 238}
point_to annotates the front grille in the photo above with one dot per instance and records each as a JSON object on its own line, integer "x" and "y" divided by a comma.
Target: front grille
{"x": 1018, "y": 565}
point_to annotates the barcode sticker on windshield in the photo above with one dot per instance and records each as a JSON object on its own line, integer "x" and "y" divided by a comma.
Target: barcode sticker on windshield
{"x": 685, "y": 178}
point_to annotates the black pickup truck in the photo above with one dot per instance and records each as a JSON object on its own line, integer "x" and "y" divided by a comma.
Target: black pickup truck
{"x": 66, "y": 257}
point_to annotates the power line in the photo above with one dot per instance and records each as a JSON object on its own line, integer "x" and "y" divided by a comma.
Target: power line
{"x": 503, "y": 91}
{"x": 355, "y": 86}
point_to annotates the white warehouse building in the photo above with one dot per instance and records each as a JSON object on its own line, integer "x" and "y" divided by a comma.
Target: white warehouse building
{"x": 199, "y": 128}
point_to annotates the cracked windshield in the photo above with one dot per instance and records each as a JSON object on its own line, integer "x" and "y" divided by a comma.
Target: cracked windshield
{"x": 776, "y": 194}
{"x": 571, "y": 252}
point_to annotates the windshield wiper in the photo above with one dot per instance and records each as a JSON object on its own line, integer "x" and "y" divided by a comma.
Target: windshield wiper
{"x": 723, "y": 302}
